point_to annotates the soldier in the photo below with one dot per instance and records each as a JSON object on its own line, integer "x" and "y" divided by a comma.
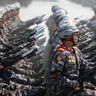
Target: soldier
{"x": 17, "y": 10}
{"x": 8, "y": 18}
{"x": 6, "y": 27}
{"x": 3, "y": 31}
{"x": 67, "y": 64}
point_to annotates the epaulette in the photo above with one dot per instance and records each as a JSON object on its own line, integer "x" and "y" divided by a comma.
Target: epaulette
{"x": 61, "y": 49}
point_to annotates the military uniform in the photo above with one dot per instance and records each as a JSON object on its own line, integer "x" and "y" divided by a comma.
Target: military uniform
{"x": 66, "y": 65}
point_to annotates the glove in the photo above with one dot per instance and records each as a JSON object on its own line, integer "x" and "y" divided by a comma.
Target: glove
{"x": 75, "y": 85}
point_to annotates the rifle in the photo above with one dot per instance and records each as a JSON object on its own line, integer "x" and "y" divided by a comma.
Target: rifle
{"x": 25, "y": 33}
{"x": 27, "y": 40}
{"x": 18, "y": 35}
{"x": 90, "y": 55}
{"x": 85, "y": 51}
{"x": 28, "y": 23}
{"x": 18, "y": 49}
{"x": 87, "y": 42}
{"x": 34, "y": 75}
{"x": 91, "y": 24}
{"x": 16, "y": 57}
{"x": 7, "y": 63}
{"x": 36, "y": 82}
{"x": 5, "y": 74}
{"x": 38, "y": 51}
{"x": 29, "y": 44}
{"x": 66, "y": 90}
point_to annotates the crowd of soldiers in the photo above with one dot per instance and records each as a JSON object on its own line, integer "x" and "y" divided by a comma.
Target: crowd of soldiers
{"x": 22, "y": 71}
{"x": 9, "y": 19}
{"x": 69, "y": 74}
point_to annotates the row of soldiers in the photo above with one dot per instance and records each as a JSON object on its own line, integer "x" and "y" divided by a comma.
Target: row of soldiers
{"x": 69, "y": 74}
{"x": 9, "y": 19}
{"x": 20, "y": 75}
{"x": 25, "y": 77}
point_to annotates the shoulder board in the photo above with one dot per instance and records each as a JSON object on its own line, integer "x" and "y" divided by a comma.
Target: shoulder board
{"x": 61, "y": 49}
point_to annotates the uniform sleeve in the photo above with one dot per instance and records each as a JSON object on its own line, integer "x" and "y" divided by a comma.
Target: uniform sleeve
{"x": 57, "y": 63}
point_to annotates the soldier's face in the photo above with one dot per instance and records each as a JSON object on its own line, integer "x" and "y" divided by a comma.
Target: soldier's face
{"x": 75, "y": 38}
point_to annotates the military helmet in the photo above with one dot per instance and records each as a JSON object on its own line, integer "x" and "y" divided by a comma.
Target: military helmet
{"x": 17, "y": 5}
{"x": 63, "y": 11}
{"x": 13, "y": 7}
{"x": 8, "y": 8}
{"x": 57, "y": 16}
{"x": 63, "y": 21}
{"x": 67, "y": 31}
{"x": 2, "y": 10}
{"x": 63, "y": 18}
{"x": 55, "y": 8}
{"x": 58, "y": 13}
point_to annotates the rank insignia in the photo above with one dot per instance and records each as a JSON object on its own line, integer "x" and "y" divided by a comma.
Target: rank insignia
{"x": 71, "y": 59}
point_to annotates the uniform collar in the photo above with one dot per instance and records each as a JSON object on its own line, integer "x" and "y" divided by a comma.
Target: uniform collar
{"x": 66, "y": 47}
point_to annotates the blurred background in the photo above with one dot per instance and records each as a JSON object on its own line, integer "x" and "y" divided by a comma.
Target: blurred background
{"x": 31, "y": 8}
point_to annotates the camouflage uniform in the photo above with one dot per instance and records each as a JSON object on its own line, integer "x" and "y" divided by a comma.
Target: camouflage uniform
{"x": 67, "y": 64}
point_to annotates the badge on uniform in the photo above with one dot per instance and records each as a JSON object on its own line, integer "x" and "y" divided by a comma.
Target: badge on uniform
{"x": 59, "y": 58}
{"x": 71, "y": 59}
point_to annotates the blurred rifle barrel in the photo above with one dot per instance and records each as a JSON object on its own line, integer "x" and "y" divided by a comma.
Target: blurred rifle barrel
{"x": 28, "y": 23}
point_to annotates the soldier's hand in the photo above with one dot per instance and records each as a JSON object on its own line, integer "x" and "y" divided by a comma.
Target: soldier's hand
{"x": 77, "y": 87}
{"x": 1, "y": 67}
